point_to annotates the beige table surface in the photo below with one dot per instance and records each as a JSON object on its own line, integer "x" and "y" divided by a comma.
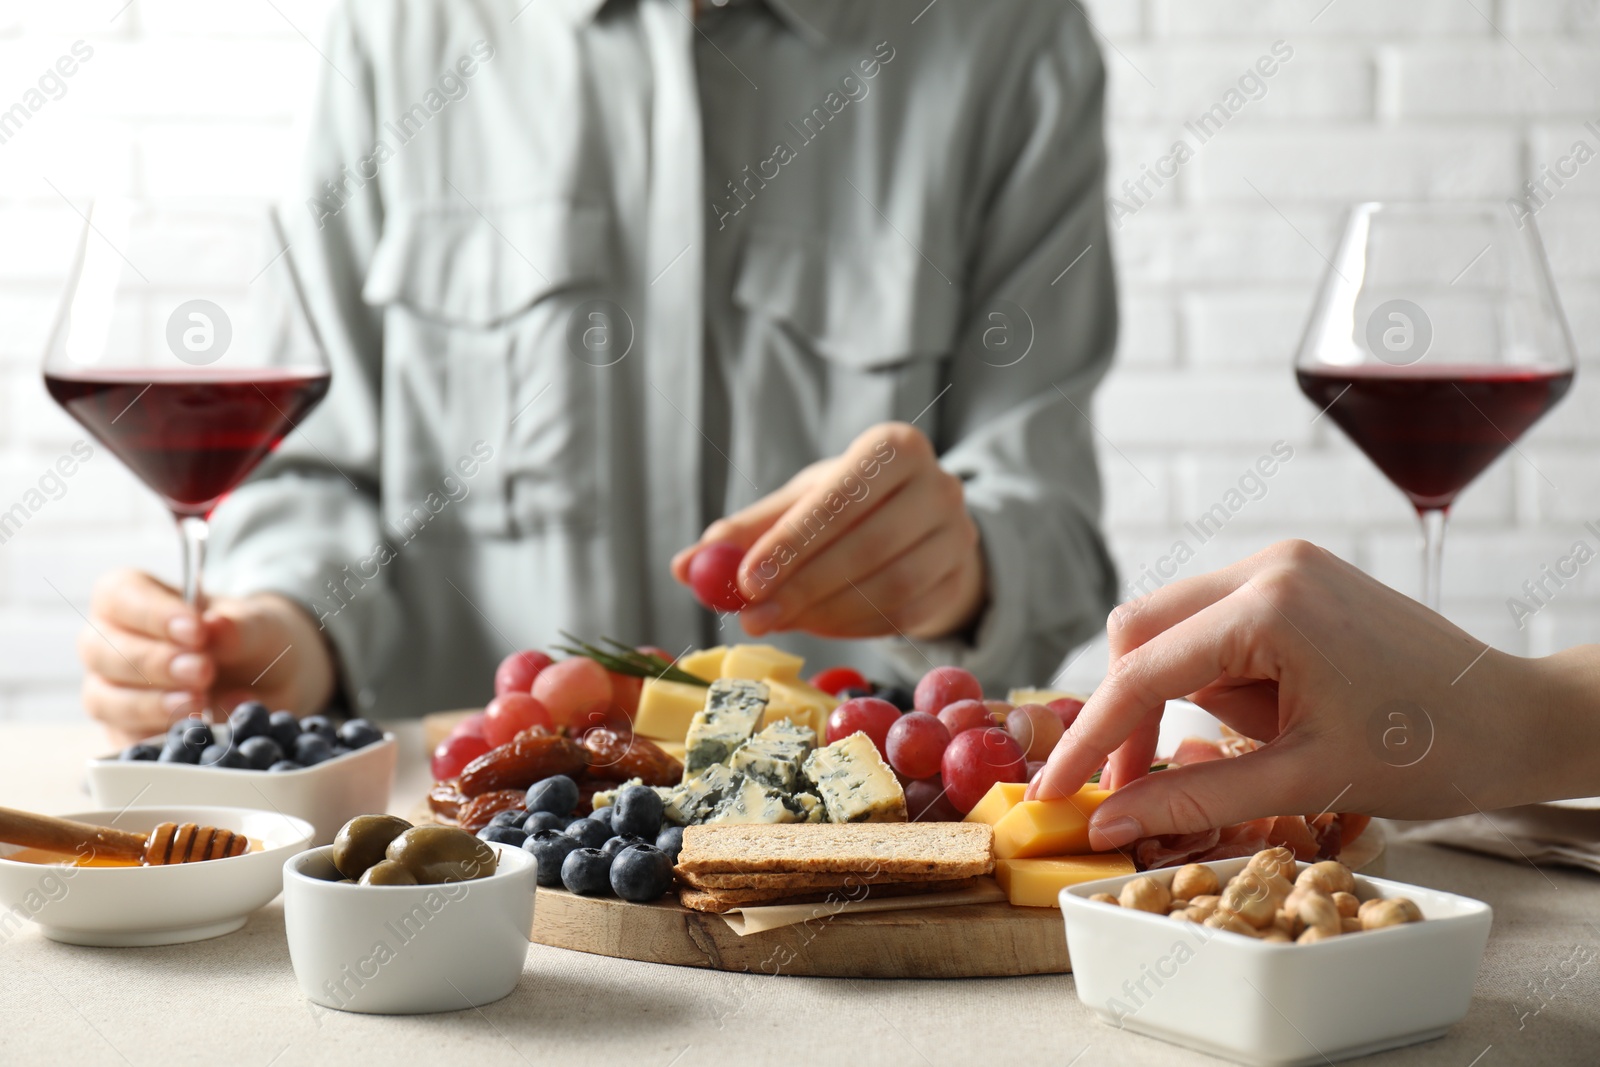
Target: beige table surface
{"x": 233, "y": 1000}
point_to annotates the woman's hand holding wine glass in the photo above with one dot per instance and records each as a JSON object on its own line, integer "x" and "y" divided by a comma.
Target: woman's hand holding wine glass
{"x": 152, "y": 659}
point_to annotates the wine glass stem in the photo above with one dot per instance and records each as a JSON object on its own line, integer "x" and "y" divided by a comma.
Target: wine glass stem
{"x": 1432, "y": 554}
{"x": 194, "y": 530}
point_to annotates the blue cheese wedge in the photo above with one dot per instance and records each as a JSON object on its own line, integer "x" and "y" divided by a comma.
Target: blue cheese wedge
{"x": 734, "y": 707}
{"x": 752, "y": 802}
{"x": 775, "y": 756}
{"x": 854, "y": 783}
{"x": 807, "y": 807}
{"x": 695, "y": 800}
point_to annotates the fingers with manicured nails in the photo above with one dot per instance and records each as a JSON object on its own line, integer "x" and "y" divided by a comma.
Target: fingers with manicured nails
{"x": 1269, "y": 781}
{"x": 125, "y": 658}
{"x": 1133, "y": 623}
{"x": 140, "y": 713}
{"x": 134, "y": 601}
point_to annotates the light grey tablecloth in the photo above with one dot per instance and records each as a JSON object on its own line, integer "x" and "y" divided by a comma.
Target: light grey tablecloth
{"x": 233, "y": 1000}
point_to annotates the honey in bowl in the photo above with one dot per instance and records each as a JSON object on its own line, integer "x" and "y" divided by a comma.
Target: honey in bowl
{"x": 89, "y": 859}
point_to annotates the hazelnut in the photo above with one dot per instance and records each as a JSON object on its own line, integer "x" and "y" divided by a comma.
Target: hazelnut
{"x": 1106, "y": 898}
{"x": 1394, "y": 911}
{"x": 1279, "y": 860}
{"x": 1177, "y": 906}
{"x": 1347, "y": 904}
{"x": 1330, "y": 876}
{"x": 1226, "y": 920}
{"x": 1248, "y": 899}
{"x": 1276, "y": 936}
{"x": 1192, "y": 880}
{"x": 1288, "y": 922}
{"x": 1318, "y": 911}
{"x": 1201, "y": 908}
{"x": 1349, "y": 924}
{"x": 1314, "y": 934}
{"x": 1145, "y": 894}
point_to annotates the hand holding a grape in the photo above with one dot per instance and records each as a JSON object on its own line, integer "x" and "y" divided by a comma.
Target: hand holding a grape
{"x": 871, "y": 543}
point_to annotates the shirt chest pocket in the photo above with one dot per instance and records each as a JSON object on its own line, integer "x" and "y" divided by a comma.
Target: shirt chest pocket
{"x": 489, "y": 419}
{"x": 858, "y": 331}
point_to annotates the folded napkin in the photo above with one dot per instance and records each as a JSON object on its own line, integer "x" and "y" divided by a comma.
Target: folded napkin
{"x": 1565, "y": 834}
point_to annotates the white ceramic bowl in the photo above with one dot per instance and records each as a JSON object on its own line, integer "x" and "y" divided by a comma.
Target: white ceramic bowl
{"x": 135, "y": 906}
{"x": 1259, "y": 1003}
{"x": 327, "y": 794}
{"x": 407, "y": 950}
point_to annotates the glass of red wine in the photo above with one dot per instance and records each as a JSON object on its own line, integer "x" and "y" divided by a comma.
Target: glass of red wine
{"x": 190, "y": 388}
{"x": 1436, "y": 341}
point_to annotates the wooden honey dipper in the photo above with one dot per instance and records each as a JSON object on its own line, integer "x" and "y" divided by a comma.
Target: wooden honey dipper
{"x": 166, "y": 844}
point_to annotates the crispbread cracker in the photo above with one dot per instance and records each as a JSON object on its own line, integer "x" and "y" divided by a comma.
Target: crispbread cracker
{"x": 950, "y": 849}
{"x": 801, "y": 881}
{"x": 721, "y": 900}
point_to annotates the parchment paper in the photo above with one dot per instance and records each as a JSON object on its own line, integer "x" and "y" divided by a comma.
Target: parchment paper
{"x": 747, "y": 921}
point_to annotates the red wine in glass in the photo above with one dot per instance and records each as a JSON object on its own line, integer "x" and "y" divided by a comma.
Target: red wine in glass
{"x": 193, "y": 434}
{"x": 1433, "y": 427}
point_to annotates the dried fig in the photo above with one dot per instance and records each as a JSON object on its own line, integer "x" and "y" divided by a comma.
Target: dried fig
{"x": 522, "y": 761}
{"x": 623, "y": 756}
{"x": 477, "y": 812}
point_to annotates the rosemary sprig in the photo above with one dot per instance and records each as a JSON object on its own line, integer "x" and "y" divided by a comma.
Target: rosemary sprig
{"x": 629, "y": 661}
{"x": 1094, "y": 779}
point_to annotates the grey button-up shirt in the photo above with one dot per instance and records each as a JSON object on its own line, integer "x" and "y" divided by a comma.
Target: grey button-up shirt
{"x": 590, "y": 274}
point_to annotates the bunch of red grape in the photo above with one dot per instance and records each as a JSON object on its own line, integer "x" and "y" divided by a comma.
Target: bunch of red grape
{"x": 531, "y": 689}
{"x": 954, "y": 745}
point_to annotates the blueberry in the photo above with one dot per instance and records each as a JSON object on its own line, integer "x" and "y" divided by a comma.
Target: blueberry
{"x": 641, "y": 873}
{"x": 670, "y": 841}
{"x": 617, "y": 844}
{"x": 144, "y": 750}
{"x": 285, "y": 765}
{"x": 359, "y": 733}
{"x": 854, "y": 691}
{"x": 340, "y": 750}
{"x": 504, "y": 835}
{"x": 193, "y": 735}
{"x": 248, "y": 720}
{"x": 558, "y": 795}
{"x": 604, "y": 815}
{"x": 311, "y": 748}
{"x": 260, "y": 752}
{"x": 222, "y": 756}
{"x": 638, "y": 812}
{"x": 588, "y": 833}
{"x": 541, "y": 820}
{"x": 283, "y": 728}
{"x": 183, "y": 726}
{"x": 587, "y": 871}
{"x": 898, "y": 696}
{"x": 176, "y": 751}
{"x": 511, "y": 817}
{"x": 320, "y": 724}
{"x": 549, "y": 849}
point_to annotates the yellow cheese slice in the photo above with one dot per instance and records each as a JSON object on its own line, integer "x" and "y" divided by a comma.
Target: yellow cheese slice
{"x": 1037, "y": 883}
{"x": 675, "y": 749}
{"x": 1048, "y": 827}
{"x": 1001, "y": 798}
{"x": 1018, "y": 697}
{"x": 705, "y": 663}
{"x": 761, "y": 662}
{"x": 665, "y": 709}
{"x": 801, "y": 704}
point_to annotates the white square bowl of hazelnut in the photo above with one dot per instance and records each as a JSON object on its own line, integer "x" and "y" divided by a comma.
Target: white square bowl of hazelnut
{"x": 1264, "y": 960}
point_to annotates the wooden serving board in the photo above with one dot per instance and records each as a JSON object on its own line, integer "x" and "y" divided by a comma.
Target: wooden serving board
{"x": 969, "y": 941}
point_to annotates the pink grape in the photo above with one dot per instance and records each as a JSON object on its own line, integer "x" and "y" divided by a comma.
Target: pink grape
{"x": 1036, "y": 729}
{"x": 573, "y": 689}
{"x": 1066, "y": 709}
{"x": 869, "y": 715}
{"x": 471, "y": 726}
{"x": 714, "y": 576}
{"x": 916, "y": 744}
{"x": 999, "y": 708}
{"x": 926, "y": 802}
{"x": 509, "y": 715}
{"x": 976, "y": 760}
{"x": 455, "y": 753}
{"x": 966, "y": 715}
{"x": 518, "y": 670}
{"x": 943, "y": 686}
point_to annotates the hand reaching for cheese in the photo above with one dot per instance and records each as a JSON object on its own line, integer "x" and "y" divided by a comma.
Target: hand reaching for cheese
{"x": 1366, "y": 701}
{"x": 871, "y": 543}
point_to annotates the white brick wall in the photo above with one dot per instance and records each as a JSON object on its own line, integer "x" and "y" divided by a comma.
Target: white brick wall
{"x": 187, "y": 104}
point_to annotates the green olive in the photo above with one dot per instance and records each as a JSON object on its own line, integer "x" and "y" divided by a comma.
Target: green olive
{"x": 361, "y": 842}
{"x": 437, "y": 854}
{"x": 388, "y": 872}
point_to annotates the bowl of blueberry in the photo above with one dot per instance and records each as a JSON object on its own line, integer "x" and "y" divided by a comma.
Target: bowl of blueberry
{"x": 316, "y": 768}
{"x": 623, "y": 849}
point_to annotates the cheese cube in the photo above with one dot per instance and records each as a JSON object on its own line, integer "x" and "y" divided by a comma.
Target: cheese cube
{"x": 1038, "y": 883}
{"x": 775, "y": 755}
{"x": 854, "y": 783}
{"x": 752, "y": 802}
{"x": 1018, "y": 697}
{"x": 1048, "y": 827}
{"x": 733, "y": 708}
{"x": 801, "y": 704}
{"x": 694, "y": 800}
{"x": 667, "y": 708}
{"x": 706, "y": 663}
{"x": 761, "y": 662}
{"x": 1001, "y": 798}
